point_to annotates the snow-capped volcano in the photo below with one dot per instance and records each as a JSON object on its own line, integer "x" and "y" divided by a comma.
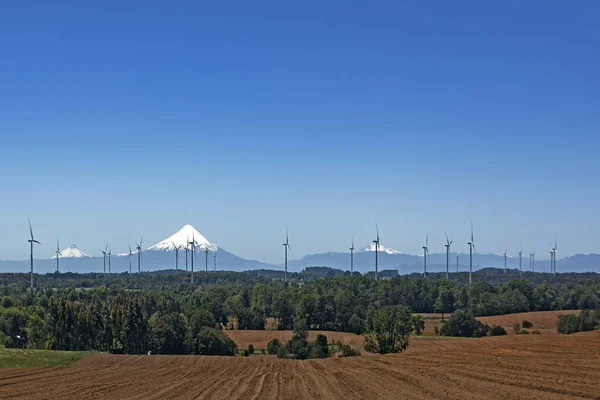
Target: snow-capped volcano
{"x": 71, "y": 252}
{"x": 381, "y": 248}
{"x": 181, "y": 239}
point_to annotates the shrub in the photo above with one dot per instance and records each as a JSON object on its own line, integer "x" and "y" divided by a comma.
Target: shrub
{"x": 418, "y": 323}
{"x": 298, "y": 345}
{"x": 524, "y": 332}
{"x": 245, "y": 353}
{"x": 461, "y": 324}
{"x": 436, "y": 329}
{"x": 211, "y": 341}
{"x": 348, "y": 351}
{"x": 250, "y": 349}
{"x": 587, "y": 320}
{"x": 482, "y": 329}
{"x": 319, "y": 348}
{"x": 517, "y": 328}
{"x": 567, "y": 324}
{"x": 536, "y": 332}
{"x": 527, "y": 324}
{"x": 282, "y": 352}
{"x": 497, "y": 330}
{"x": 273, "y": 346}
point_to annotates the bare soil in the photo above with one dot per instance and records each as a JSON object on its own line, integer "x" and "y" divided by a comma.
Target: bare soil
{"x": 505, "y": 367}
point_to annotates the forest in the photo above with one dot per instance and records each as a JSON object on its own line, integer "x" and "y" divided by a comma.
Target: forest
{"x": 163, "y": 313}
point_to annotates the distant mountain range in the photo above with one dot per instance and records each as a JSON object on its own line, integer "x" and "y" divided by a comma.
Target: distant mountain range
{"x": 162, "y": 256}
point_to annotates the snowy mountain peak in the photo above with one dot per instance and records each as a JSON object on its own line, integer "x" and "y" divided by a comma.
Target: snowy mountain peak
{"x": 181, "y": 239}
{"x": 72, "y": 252}
{"x": 381, "y": 248}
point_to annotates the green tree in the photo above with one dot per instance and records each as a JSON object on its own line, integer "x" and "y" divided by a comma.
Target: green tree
{"x": 211, "y": 341}
{"x": 167, "y": 334}
{"x": 392, "y": 327}
{"x": 461, "y": 323}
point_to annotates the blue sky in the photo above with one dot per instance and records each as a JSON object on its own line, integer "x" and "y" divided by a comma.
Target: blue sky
{"x": 124, "y": 120}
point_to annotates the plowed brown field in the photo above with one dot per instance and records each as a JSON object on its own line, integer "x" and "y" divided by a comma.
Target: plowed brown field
{"x": 523, "y": 366}
{"x": 260, "y": 339}
{"x": 543, "y": 321}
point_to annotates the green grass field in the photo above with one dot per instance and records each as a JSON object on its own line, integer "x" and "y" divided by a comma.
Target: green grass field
{"x": 17, "y": 358}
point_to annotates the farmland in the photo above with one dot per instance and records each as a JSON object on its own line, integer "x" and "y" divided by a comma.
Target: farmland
{"x": 515, "y": 366}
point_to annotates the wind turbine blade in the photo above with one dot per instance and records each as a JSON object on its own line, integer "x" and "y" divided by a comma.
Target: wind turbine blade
{"x": 427, "y": 240}
{"x": 35, "y": 241}
{"x": 377, "y": 227}
{"x": 447, "y": 241}
{"x": 30, "y": 230}
{"x": 471, "y": 231}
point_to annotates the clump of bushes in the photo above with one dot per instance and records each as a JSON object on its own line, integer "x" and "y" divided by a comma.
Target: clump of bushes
{"x": 587, "y": 320}
{"x": 299, "y": 347}
{"x": 527, "y": 324}
{"x": 418, "y": 324}
{"x": 282, "y": 352}
{"x": 497, "y": 330}
{"x": 212, "y": 342}
{"x": 273, "y": 346}
{"x": 517, "y": 328}
{"x": 348, "y": 351}
{"x": 250, "y": 349}
{"x": 463, "y": 324}
{"x": 524, "y": 332}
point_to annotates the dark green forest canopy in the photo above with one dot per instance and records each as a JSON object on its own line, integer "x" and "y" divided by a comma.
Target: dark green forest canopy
{"x": 162, "y": 312}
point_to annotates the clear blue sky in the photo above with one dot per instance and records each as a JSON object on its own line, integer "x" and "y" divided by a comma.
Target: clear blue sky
{"x": 134, "y": 118}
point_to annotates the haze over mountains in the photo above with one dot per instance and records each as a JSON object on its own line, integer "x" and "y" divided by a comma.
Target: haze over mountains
{"x": 161, "y": 256}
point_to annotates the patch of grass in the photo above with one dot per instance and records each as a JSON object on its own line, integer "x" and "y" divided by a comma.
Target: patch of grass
{"x": 18, "y": 358}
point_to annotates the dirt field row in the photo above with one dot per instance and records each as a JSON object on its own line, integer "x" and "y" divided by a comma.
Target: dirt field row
{"x": 543, "y": 321}
{"x": 523, "y": 366}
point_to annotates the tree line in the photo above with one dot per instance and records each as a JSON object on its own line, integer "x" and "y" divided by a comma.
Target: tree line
{"x": 177, "y": 318}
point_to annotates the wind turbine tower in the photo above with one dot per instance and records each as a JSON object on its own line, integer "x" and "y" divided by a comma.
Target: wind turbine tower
{"x": 471, "y": 248}
{"x": 555, "y": 250}
{"x": 58, "y": 254}
{"x": 457, "y": 255}
{"x": 109, "y": 253}
{"x": 187, "y": 249}
{"x": 31, "y": 241}
{"x": 447, "y": 245}
{"x": 193, "y": 243}
{"x": 176, "y": 255}
{"x": 505, "y": 255}
{"x": 206, "y": 253}
{"x": 215, "y": 260}
{"x": 287, "y": 246}
{"x": 352, "y": 258}
{"x": 376, "y": 253}
{"x": 520, "y": 258}
{"x": 425, "y": 252}
{"x": 139, "y": 251}
{"x": 104, "y": 261}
